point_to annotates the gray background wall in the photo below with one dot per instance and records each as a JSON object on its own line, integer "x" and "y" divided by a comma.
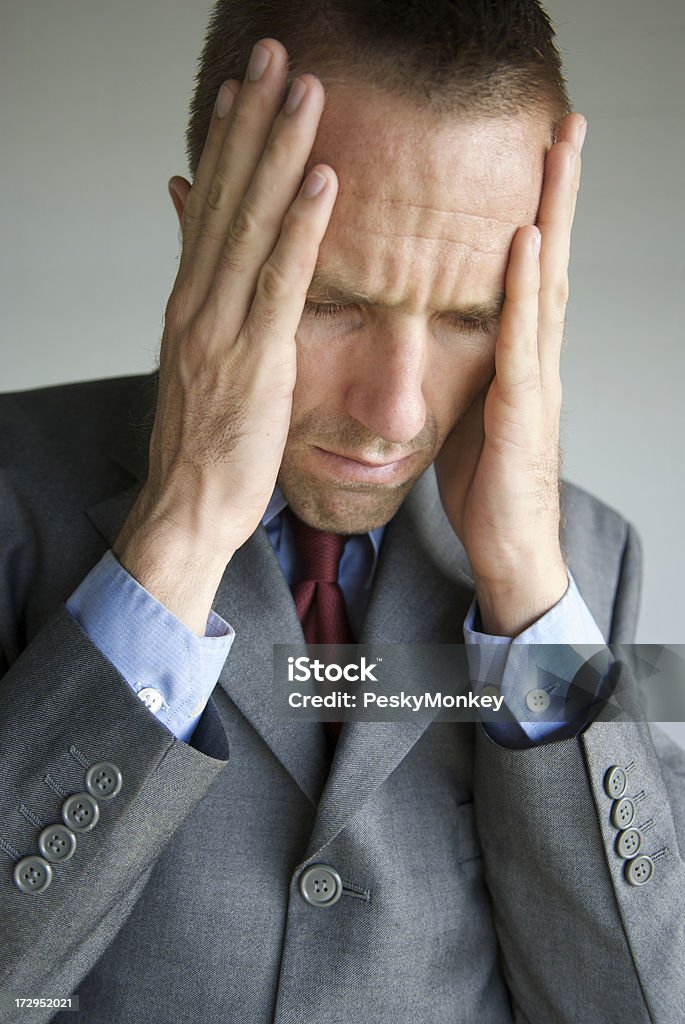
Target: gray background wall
{"x": 93, "y": 101}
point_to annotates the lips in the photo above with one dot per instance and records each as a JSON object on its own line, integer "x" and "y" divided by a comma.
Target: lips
{"x": 362, "y": 461}
{"x": 355, "y": 468}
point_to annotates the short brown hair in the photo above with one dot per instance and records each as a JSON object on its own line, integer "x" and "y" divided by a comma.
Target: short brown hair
{"x": 484, "y": 57}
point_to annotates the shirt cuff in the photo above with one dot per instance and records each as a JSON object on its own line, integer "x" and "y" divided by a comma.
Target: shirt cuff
{"x": 538, "y": 672}
{"x": 172, "y": 670}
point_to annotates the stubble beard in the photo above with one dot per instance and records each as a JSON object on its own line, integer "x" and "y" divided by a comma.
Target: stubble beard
{"x": 345, "y": 506}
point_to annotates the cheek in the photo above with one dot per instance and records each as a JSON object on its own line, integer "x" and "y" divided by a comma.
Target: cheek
{"x": 457, "y": 371}
{"x": 321, "y": 363}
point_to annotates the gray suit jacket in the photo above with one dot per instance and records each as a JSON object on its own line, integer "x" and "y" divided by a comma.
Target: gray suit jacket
{"x": 480, "y": 884}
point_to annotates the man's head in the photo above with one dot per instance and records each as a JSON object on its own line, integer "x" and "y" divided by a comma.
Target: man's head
{"x": 487, "y": 57}
{"x": 437, "y": 121}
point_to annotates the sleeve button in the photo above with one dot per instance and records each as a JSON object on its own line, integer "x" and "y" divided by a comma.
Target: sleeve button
{"x": 80, "y": 812}
{"x": 640, "y": 870}
{"x": 622, "y": 813}
{"x": 104, "y": 780}
{"x": 615, "y": 782}
{"x": 32, "y": 874}
{"x": 629, "y": 843}
{"x": 57, "y": 843}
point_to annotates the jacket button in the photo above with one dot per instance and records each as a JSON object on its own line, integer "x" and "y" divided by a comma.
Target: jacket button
{"x": 628, "y": 843}
{"x": 321, "y": 885}
{"x": 57, "y": 843}
{"x": 615, "y": 782}
{"x": 640, "y": 870}
{"x": 32, "y": 874}
{"x": 80, "y": 812}
{"x": 104, "y": 780}
{"x": 622, "y": 813}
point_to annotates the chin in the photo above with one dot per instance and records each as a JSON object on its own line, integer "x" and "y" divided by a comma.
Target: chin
{"x": 343, "y": 509}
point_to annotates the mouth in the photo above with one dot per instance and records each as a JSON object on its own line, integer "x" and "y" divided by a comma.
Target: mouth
{"x": 362, "y": 470}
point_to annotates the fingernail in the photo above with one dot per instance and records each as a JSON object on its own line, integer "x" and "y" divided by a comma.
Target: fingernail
{"x": 224, "y": 100}
{"x": 582, "y": 132}
{"x": 295, "y": 97}
{"x": 536, "y": 242}
{"x": 259, "y": 62}
{"x": 314, "y": 182}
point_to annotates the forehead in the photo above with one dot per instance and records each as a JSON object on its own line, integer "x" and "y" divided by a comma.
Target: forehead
{"x": 424, "y": 198}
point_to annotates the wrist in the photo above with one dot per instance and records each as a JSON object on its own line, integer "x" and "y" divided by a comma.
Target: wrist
{"x": 178, "y": 569}
{"x": 510, "y": 605}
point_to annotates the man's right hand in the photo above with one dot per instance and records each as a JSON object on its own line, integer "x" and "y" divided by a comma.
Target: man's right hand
{"x": 251, "y": 238}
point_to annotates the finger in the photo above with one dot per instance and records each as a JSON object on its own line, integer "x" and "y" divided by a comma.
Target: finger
{"x": 255, "y": 228}
{"x": 555, "y": 219}
{"x": 285, "y": 277}
{"x": 216, "y": 135}
{"x": 516, "y": 353}
{"x": 572, "y": 129}
{"x": 251, "y": 120}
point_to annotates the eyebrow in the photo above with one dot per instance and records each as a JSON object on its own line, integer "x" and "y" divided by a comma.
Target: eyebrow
{"x": 326, "y": 289}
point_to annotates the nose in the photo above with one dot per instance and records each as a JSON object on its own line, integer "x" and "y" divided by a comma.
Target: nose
{"x": 385, "y": 393}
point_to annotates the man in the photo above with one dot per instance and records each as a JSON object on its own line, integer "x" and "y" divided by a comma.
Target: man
{"x": 362, "y": 343}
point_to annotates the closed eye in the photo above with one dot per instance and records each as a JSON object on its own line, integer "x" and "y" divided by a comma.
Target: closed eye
{"x": 471, "y": 324}
{"x": 324, "y": 309}
{"x": 464, "y": 323}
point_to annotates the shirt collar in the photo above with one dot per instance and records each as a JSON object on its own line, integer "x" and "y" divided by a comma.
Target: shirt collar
{"x": 277, "y": 503}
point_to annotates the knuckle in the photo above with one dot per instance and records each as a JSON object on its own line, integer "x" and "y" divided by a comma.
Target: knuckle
{"x": 273, "y": 283}
{"x": 245, "y": 225}
{"x": 527, "y": 380}
{"x": 279, "y": 152}
{"x": 218, "y": 192}
{"x": 176, "y": 308}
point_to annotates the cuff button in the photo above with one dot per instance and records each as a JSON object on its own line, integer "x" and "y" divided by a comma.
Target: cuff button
{"x": 151, "y": 698}
{"x": 537, "y": 701}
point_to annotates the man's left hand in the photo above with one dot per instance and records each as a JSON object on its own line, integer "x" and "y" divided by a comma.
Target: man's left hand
{"x": 498, "y": 471}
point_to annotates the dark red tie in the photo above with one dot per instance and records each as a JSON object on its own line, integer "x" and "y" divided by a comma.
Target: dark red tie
{"x": 318, "y": 596}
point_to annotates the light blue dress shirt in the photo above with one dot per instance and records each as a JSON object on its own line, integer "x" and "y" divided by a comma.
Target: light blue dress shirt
{"x": 174, "y": 671}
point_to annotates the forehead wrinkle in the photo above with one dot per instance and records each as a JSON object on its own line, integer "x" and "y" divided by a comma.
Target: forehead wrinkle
{"x": 421, "y": 222}
{"x": 423, "y": 207}
{"x": 332, "y": 283}
{"x": 453, "y": 243}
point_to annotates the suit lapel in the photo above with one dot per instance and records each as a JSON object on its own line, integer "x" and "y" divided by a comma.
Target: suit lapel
{"x": 421, "y": 594}
{"x": 255, "y": 598}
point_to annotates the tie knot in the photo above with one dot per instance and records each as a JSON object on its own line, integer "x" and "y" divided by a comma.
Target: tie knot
{"x": 319, "y": 552}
